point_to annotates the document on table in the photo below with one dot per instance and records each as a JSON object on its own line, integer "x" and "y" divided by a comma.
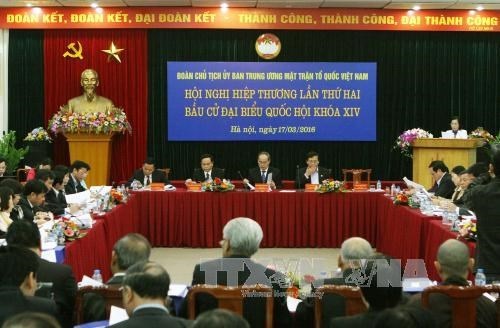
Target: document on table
{"x": 416, "y": 186}
{"x": 78, "y": 198}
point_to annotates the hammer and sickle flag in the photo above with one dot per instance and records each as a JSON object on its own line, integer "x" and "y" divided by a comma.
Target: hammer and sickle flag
{"x": 75, "y": 53}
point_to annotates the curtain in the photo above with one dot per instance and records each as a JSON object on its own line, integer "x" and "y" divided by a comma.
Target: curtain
{"x": 4, "y": 76}
{"x": 26, "y": 89}
{"x": 423, "y": 78}
{"x": 124, "y": 83}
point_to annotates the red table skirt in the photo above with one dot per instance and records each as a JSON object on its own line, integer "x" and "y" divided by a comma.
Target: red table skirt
{"x": 296, "y": 219}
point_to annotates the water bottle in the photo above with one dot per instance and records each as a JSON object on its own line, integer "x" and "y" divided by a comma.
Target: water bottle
{"x": 97, "y": 275}
{"x": 480, "y": 278}
{"x": 445, "y": 217}
{"x": 393, "y": 189}
{"x": 379, "y": 185}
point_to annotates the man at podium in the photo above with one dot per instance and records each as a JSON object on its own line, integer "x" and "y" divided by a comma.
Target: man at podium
{"x": 89, "y": 101}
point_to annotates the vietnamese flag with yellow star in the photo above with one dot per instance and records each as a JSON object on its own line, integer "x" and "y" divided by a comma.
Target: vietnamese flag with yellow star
{"x": 125, "y": 81}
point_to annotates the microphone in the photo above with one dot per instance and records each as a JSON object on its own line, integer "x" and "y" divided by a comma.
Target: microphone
{"x": 244, "y": 184}
{"x": 298, "y": 177}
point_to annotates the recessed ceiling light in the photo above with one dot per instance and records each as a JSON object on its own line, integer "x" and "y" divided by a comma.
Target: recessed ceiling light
{"x": 224, "y": 5}
{"x": 416, "y": 7}
{"x": 94, "y": 5}
{"x": 479, "y": 8}
{"x": 29, "y": 5}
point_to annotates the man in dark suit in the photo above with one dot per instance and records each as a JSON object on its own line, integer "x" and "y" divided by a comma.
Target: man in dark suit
{"x": 18, "y": 271}
{"x": 379, "y": 297}
{"x": 55, "y": 198}
{"x": 241, "y": 239}
{"x": 128, "y": 250}
{"x": 352, "y": 251}
{"x": 145, "y": 288}
{"x": 206, "y": 171}
{"x": 148, "y": 174}
{"x": 483, "y": 200}
{"x": 453, "y": 265}
{"x": 443, "y": 185}
{"x": 264, "y": 173}
{"x": 76, "y": 183}
{"x": 32, "y": 200}
{"x": 312, "y": 173}
{"x": 26, "y": 234}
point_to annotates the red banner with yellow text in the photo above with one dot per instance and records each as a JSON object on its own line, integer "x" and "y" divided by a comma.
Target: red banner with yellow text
{"x": 251, "y": 18}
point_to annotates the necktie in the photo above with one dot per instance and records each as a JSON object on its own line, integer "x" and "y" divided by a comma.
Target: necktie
{"x": 455, "y": 133}
{"x": 207, "y": 176}
{"x": 148, "y": 182}
{"x": 264, "y": 176}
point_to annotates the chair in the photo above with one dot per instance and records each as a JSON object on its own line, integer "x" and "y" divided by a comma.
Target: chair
{"x": 357, "y": 178}
{"x": 111, "y": 294}
{"x": 231, "y": 298}
{"x": 352, "y": 296}
{"x": 22, "y": 174}
{"x": 166, "y": 170}
{"x": 463, "y": 302}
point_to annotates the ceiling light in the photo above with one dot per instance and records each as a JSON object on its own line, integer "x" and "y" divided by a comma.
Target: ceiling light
{"x": 36, "y": 10}
{"x": 224, "y": 5}
{"x": 479, "y": 8}
{"x": 472, "y": 12}
{"x": 94, "y": 5}
{"x": 411, "y": 12}
{"x": 416, "y": 7}
{"x": 29, "y": 5}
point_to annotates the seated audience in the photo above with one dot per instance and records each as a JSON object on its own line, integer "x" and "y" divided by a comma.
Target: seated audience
{"x": 207, "y": 171}
{"x": 6, "y": 206}
{"x": 31, "y": 320}
{"x": 241, "y": 238}
{"x": 220, "y": 318}
{"x": 55, "y": 198}
{"x": 145, "y": 288}
{"x": 484, "y": 202}
{"x": 453, "y": 265}
{"x": 76, "y": 182}
{"x": 25, "y": 234}
{"x": 18, "y": 272}
{"x": 312, "y": 173}
{"x": 148, "y": 174}
{"x": 32, "y": 200}
{"x": 443, "y": 186}
{"x": 455, "y": 177}
{"x": 128, "y": 250}
{"x": 45, "y": 164}
{"x": 17, "y": 189}
{"x": 264, "y": 171}
{"x": 381, "y": 288}
{"x": 352, "y": 251}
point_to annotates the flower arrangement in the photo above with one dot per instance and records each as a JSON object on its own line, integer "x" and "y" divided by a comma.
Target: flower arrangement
{"x": 331, "y": 185}
{"x": 113, "y": 120}
{"x": 404, "y": 141}
{"x": 116, "y": 196}
{"x": 401, "y": 199}
{"x": 480, "y": 132}
{"x": 468, "y": 230}
{"x": 38, "y": 134}
{"x": 217, "y": 184}
{"x": 66, "y": 230}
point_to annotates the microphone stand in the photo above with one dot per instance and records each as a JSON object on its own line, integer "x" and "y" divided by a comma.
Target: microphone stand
{"x": 298, "y": 178}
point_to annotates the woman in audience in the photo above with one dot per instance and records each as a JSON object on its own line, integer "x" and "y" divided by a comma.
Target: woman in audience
{"x": 6, "y": 206}
{"x": 17, "y": 190}
{"x": 455, "y": 177}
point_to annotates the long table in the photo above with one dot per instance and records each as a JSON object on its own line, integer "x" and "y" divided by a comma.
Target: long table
{"x": 288, "y": 219}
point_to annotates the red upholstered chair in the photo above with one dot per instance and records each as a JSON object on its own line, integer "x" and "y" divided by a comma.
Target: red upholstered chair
{"x": 463, "y": 302}
{"x": 353, "y": 300}
{"x": 231, "y": 298}
{"x": 111, "y": 294}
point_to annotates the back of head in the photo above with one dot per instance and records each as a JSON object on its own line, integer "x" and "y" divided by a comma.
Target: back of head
{"x": 23, "y": 234}
{"x": 244, "y": 236}
{"x": 405, "y": 316}
{"x": 34, "y": 186}
{"x": 354, "y": 249}
{"x": 44, "y": 175}
{"x": 5, "y": 195}
{"x": 477, "y": 169}
{"x": 31, "y": 320}
{"x": 148, "y": 280}
{"x": 453, "y": 257}
{"x": 130, "y": 249}
{"x": 383, "y": 289}
{"x": 16, "y": 265}
{"x": 16, "y": 187}
{"x": 220, "y": 318}
{"x": 438, "y": 165}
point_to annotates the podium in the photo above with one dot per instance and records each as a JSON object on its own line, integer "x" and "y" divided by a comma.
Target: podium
{"x": 94, "y": 149}
{"x": 452, "y": 152}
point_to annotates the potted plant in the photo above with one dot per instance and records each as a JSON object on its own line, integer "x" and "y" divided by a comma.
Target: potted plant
{"x": 10, "y": 153}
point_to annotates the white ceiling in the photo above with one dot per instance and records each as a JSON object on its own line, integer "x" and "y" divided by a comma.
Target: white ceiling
{"x": 387, "y": 4}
